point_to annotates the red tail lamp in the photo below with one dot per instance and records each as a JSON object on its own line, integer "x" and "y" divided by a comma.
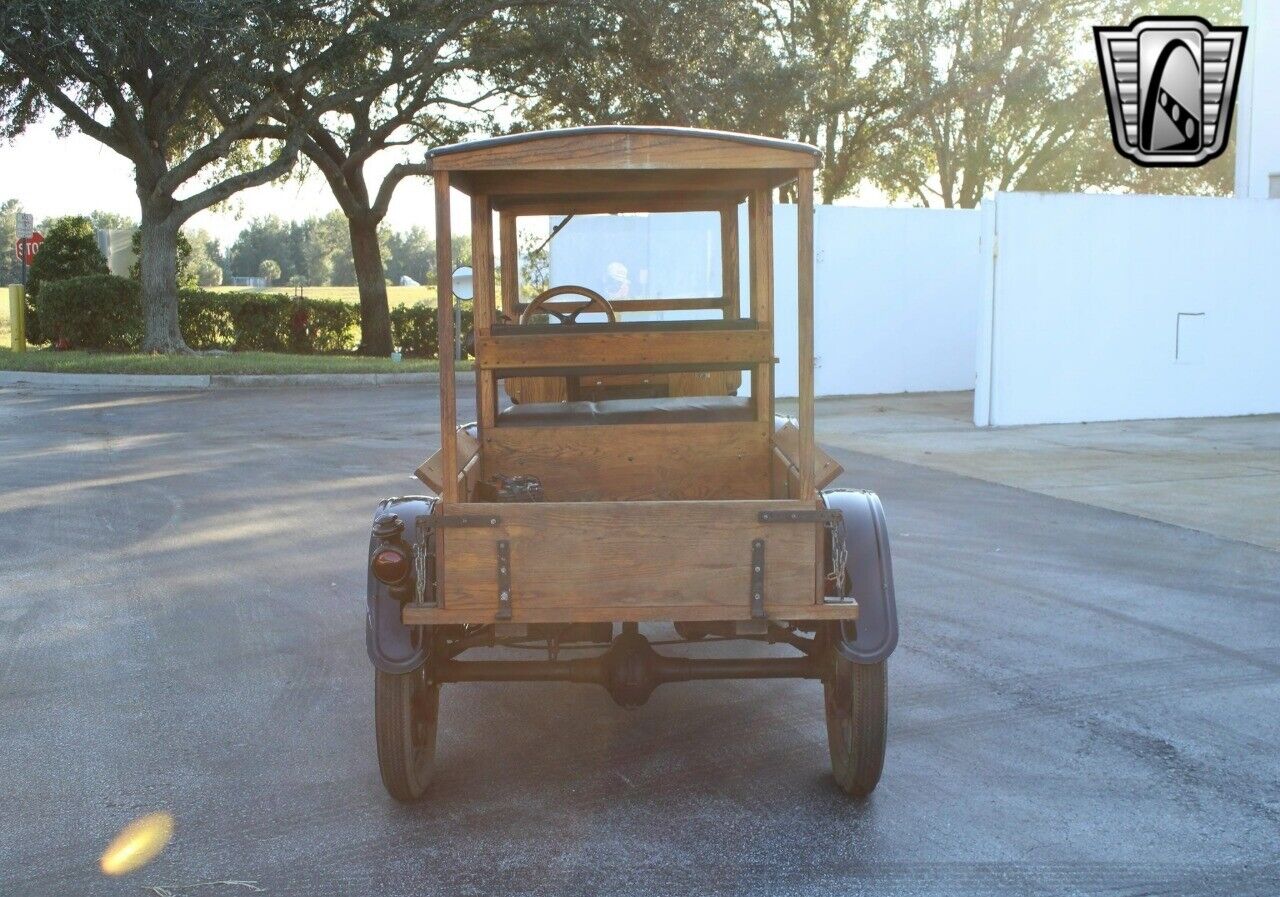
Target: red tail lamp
{"x": 390, "y": 565}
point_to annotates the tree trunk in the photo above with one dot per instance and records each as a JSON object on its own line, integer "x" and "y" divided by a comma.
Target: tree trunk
{"x": 375, "y": 315}
{"x": 159, "y": 269}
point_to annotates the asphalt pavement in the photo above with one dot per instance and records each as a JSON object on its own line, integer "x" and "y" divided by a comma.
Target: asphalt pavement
{"x": 1082, "y": 702}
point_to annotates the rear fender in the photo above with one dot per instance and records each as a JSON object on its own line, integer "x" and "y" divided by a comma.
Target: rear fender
{"x": 868, "y": 577}
{"x": 394, "y": 647}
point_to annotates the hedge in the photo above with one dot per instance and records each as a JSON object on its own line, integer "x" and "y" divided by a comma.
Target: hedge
{"x": 105, "y": 312}
{"x": 415, "y": 329}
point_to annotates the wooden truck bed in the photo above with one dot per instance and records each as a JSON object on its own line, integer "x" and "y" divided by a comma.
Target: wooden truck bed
{"x": 628, "y": 561}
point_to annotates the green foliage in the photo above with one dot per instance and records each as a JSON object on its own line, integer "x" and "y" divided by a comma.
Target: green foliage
{"x": 105, "y": 312}
{"x": 70, "y": 249}
{"x": 267, "y": 322}
{"x": 415, "y": 330}
{"x": 103, "y": 220}
{"x": 99, "y": 311}
{"x": 317, "y": 251}
{"x": 269, "y": 269}
{"x": 410, "y": 253}
{"x": 207, "y": 319}
{"x": 9, "y": 210}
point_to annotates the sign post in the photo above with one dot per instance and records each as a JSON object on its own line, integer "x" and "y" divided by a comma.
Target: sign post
{"x": 18, "y": 317}
{"x": 28, "y": 244}
{"x": 26, "y": 249}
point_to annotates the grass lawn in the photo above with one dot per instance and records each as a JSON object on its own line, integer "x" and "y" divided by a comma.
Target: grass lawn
{"x": 237, "y": 363}
{"x": 395, "y": 295}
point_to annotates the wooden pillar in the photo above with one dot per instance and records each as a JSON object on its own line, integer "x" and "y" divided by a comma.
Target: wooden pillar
{"x": 444, "y": 313}
{"x": 483, "y": 304}
{"x": 804, "y": 297}
{"x": 760, "y": 236}
{"x": 729, "y": 263}
{"x": 510, "y": 265}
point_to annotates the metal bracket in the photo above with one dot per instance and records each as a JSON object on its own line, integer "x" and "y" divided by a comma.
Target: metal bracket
{"x": 504, "y": 580}
{"x": 757, "y": 579}
{"x": 460, "y": 520}
{"x": 830, "y": 518}
{"x": 422, "y": 551}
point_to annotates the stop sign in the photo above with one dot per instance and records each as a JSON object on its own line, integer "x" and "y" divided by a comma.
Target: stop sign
{"x": 27, "y": 247}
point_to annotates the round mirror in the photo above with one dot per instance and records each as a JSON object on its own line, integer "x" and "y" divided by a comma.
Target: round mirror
{"x": 463, "y": 285}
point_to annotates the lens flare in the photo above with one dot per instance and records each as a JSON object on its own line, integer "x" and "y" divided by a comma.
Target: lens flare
{"x": 139, "y": 843}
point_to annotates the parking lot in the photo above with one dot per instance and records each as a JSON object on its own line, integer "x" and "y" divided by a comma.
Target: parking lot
{"x": 1084, "y": 700}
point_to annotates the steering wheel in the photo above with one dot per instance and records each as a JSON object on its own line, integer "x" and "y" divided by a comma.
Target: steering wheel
{"x": 594, "y": 301}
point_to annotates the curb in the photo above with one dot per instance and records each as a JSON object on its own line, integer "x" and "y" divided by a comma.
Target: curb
{"x": 44, "y": 379}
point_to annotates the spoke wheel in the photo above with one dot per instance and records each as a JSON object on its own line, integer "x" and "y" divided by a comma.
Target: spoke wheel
{"x": 857, "y": 704}
{"x": 406, "y": 715}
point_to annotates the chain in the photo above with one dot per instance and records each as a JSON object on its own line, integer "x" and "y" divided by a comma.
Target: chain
{"x": 839, "y": 555}
{"x": 420, "y": 567}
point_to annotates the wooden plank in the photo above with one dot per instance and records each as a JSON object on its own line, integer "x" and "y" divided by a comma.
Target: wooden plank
{"x": 621, "y": 554}
{"x": 514, "y": 352}
{"x": 825, "y": 468}
{"x": 510, "y": 188}
{"x": 623, "y": 152}
{"x": 623, "y": 462}
{"x": 804, "y": 268}
{"x": 630, "y": 614}
{"x": 703, "y": 383}
{"x": 431, "y": 471}
{"x": 729, "y": 263}
{"x": 760, "y": 236}
{"x": 444, "y": 304}
{"x": 622, "y": 306}
{"x": 612, "y": 202}
{"x": 483, "y": 303}
{"x": 510, "y": 248}
{"x": 683, "y": 383}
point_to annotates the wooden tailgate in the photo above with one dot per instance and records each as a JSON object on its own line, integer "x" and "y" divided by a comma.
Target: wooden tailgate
{"x": 628, "y": 560}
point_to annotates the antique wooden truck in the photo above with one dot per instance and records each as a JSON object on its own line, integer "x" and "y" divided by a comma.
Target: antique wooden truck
{"x": 627, "y": 483}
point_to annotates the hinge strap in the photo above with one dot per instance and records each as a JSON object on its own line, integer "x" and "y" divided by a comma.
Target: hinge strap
{"x": 504, "y": 580}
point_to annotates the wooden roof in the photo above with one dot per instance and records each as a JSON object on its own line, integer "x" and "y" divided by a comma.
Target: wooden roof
{"x": 651, "y": 165}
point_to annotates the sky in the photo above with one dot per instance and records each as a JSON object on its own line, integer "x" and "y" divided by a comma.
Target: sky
{"x": 53, "y": 175}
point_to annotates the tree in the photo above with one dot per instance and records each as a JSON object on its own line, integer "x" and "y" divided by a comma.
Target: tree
{"x": 70, "y": 249}
{"x": 269, "y": 270}
{"x": 174, "y": 86}
{"x": 703, "y": 63}
{"x": 9, "y": 210}
{"x": 111, "y": 220}
{"x": 810, "y": 70}
{"x": 411, "y": 253}
{"x": 204, "y": 266}
{"x": 1016, "y": 101}
{"x": 404, "y": 86}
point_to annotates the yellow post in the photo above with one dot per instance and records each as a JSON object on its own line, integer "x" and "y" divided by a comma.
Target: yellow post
{"x": 18, "y": 317}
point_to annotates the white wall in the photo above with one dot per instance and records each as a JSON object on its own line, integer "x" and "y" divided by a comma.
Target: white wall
{"x": 894, "y": 289}
{"x": 1087, "y": 296}
{"x": 1258, "y": 106}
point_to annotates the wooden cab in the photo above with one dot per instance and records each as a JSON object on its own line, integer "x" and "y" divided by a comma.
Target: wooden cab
{"x": 662, "y": 494}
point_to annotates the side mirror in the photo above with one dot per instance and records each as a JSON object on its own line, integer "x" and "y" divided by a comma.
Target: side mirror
{"x": 463, "y": 283}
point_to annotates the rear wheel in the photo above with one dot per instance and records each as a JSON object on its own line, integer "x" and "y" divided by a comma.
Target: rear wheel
{"x": 406, "y": 716}
{"x": 857, "y": 705}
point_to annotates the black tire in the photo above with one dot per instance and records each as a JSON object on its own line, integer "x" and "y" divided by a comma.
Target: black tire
{"x": 856, "y": 696}
{"x": 406, "y": 717}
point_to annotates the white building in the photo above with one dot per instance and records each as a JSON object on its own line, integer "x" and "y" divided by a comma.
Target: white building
{"x": 1258, "y": 109}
